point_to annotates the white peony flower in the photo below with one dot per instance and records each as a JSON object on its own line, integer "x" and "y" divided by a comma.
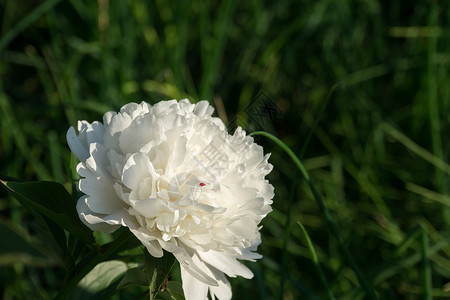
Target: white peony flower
{"x": 173, "y": 175}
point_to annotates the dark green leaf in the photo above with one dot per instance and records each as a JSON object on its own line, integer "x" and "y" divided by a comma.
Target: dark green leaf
{"x": 91, "y": 260}
{"x": 175, "y": 289}
{"x": 99, "y": 278}
{"x": 133, "y": 277}
{"x": 52, "y": 200}
{"x": 51, "y": 240}
{"x": 131, "y": 243}
{"x": 18, "y": 249}
{"x": 165, "y": 296}
{"x": 58, "y": 234}
{"x": 157, "y": 270}
{"x": 102, "y": 275}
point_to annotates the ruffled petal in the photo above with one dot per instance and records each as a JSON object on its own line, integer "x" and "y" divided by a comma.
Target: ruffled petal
{"x": 225, "y": 263}
{"x": 77, "y": 148}
{"x": 150, "y": 208}
{"x": 92, "y": 221}
{"x": 223, "y": 290}
{"x": 136, "y": 169}
{"x": 196, "y": 289}
{"x": 193, "y": 288}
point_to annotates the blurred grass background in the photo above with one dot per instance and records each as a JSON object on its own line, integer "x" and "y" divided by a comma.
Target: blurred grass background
{"x": 378, "y": 155}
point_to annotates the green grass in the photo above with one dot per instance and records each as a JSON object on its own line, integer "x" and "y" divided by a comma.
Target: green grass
{"x": 377, "y": 152}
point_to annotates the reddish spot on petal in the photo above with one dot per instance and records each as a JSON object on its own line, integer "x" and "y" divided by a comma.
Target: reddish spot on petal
{"x": 202, "y": 184}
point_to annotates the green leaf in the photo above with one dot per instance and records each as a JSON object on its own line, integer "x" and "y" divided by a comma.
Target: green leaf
{"x": 131, "y": 243}
{"x": 92, "y": 259}
{"x": 99, "y": 278}
{"x": 51, "y": 241}
{"x": 19, "y": 249}
{"x": 175, "y": 289}
{"x": 102, "y": 238}
{"x": 165, "y": 295}
{"x": 58, "y": 235}
{"x": 157, "y": 270}
{"x": 133, "y": 277}
{"x": 52, "y": 200}
{"x": 103, "y": 275}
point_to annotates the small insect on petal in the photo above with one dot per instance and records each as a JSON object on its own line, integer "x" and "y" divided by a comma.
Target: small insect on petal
{"x": 202, "y": 184}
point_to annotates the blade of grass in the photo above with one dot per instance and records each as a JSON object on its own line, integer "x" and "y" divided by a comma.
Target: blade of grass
{"x": 288, "y": 150}
{"x": 260, "y": 280}
{"x": 287, "y": 231}
{"x": 426, "y": 267}
{"x": 62, "y": 88}
{"x": 394, "y": 267}
{"x": 407, "y": 241}
{"x": 363, "y": 179}
{"x": 411, "y": 145}
{"x": 19, "y": 136}
{"x": 212, "y": 60}
{"x": 333, "y": 227}
{"x": 433, "y": 109}
{"x": 25, "y": 22}
{"x": 55, "y": 156}
{"x": 317, "y": 119}
{"x": 428, "y": 194}
{"x": 391, "y": 268}
{"x": 316, "y": 262}
{"x": 179, "y": 57}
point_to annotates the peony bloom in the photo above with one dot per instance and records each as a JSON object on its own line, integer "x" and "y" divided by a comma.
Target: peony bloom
{"x": 173, "y": 175}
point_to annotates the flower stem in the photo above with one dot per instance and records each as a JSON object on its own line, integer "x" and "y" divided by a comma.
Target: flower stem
{"x": 333, "y": 227}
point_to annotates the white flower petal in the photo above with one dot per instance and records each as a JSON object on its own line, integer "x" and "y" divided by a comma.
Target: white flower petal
{"x": 136, "y": 169}
{"x": 196, "y": 289}
{"x": 91, "y": 220}
{"x": 101, "y": 198}
{"x": 143, "y": 130}
{"x": 92, "y": 133}
{"x": 225, "y": 263}
{"x": 150, "y": 208}
{"x": 98, "y": 161}
{"x": 163, "y": 106}
{"x": 203, "y": 109}
{"x": 77, "y": 148}
{"x": 249, "y": 255}
{"x": 193, "y": 288}
{"x": 197, "y": 268}
{"x": 223, "y": 291}
{"x": 152, "y": 245}
{"x": 178, "y": 153}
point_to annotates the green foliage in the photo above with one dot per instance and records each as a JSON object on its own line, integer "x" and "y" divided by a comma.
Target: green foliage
{"x": 134, "y": 276}
{"x": 375, "y": 149}
{"x": 99, "y": 279}
{"x": 19, "y": 249}
{"x": 157, "y": 271}
{"x": 50, "y": 199}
